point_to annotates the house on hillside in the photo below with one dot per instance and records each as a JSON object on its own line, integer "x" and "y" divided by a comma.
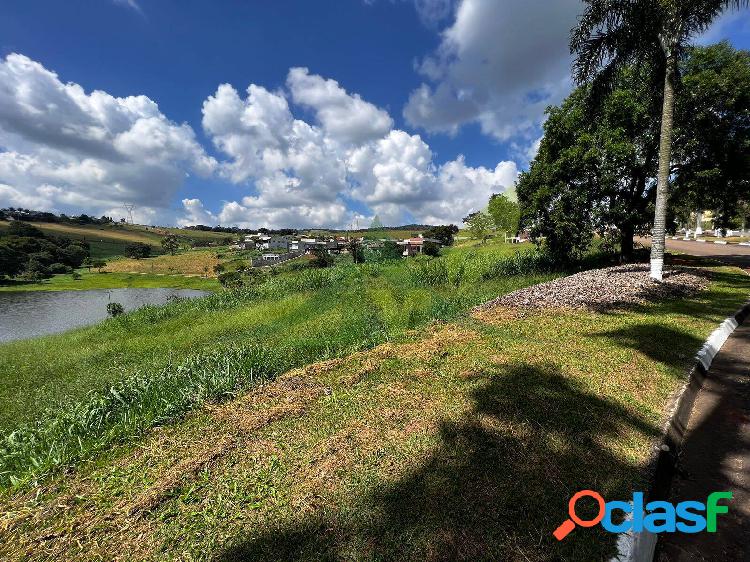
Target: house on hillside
{"x": 415, "y": 246}
{"x": 307, "y": 245}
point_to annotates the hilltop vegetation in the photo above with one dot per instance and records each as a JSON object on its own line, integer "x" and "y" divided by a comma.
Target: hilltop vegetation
{"x": 26, "y": 250}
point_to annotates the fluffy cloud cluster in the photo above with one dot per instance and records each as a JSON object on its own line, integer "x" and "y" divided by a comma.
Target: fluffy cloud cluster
{"x": 64, "y": 149}
{"x": 499, "y": 64}
{"x": 306, "y": 174}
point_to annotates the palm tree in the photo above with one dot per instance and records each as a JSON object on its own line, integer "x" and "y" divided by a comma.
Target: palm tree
{"x": 612, "y": 34}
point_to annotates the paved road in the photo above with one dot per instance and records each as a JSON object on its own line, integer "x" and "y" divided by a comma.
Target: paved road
{"x": 716, "y": 451}
{"x": 716, "y": 457}
{"x": 730, "y": 253}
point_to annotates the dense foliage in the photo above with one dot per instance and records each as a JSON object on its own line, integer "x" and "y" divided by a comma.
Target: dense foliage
{"x": 598, "y": 176}
{"x": 27, "y": 251}
{"x": 505, "y": 213}
{"x": 138, "y": 250}
{"x": 712, "y": 148}
{"x": 443, "y": 233}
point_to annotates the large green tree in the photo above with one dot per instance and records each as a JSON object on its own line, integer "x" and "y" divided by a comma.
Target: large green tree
{"x": 593, "y": 175}
{"x": 613, "y": 34}
{"x": 712, "y": 139}
{"x": 479, "y": 225}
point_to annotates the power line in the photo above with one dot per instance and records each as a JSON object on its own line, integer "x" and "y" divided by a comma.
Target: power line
{"x": 129, "y": 208}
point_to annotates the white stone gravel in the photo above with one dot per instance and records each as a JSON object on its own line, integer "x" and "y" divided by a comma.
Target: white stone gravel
{"x": 602, "y": 289}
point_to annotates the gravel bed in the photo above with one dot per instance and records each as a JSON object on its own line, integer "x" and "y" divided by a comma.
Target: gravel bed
{"x": 603, "y": 289}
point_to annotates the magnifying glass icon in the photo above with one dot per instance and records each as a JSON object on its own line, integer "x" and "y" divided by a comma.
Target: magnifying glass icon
{"x": 569, "y": 524}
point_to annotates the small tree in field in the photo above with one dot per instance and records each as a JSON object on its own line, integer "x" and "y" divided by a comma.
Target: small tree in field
{"x": 170, "y": 243}
{"x": 138, "y": 250}
{"x": 505, "y": 213}
{"x": 88, "y": 263}
{"x": 479, "y": 225}
{"x": 99, "y": 264}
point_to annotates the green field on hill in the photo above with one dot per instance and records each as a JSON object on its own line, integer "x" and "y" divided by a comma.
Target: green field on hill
{"x": 111, "y": 240}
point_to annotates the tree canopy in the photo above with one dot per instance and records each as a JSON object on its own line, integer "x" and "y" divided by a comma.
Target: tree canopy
{"x": 598, "y": 176}
{"x": 479, "y": 225}
{"x": 613, "y": 35}
{"x": 504, "y": 212}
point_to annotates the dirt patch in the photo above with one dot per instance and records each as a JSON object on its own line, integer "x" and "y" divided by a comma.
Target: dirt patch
{"x": 603, "y": 289}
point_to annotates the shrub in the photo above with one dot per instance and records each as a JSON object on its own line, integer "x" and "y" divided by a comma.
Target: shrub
{"x": 138, "y": 250}
{"x": 321, "y": 259}
{"x": 115, "y": 309}
{"x": 56, "y": 268}
{"x": 231, "y": 279}
{"x": 76, "y": 276}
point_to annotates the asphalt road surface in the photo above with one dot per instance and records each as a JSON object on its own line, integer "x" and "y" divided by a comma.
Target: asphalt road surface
{"x": 729, "y": 253}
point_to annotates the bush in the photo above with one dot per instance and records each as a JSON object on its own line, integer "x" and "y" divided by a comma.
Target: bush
{"x": 231, "y": 280}
{"x": 76, "y": 276}
{"x": 138, "y": 250}
{"x": 56, "y": 268}
{"x": 321, "y": 259}
{"x": 431, "y": 249}
{"x": 115, "y": 309}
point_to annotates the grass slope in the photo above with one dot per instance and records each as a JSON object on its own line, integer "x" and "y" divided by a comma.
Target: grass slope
{"x": 464, "y": 441}
{"x": 325, "y": 312}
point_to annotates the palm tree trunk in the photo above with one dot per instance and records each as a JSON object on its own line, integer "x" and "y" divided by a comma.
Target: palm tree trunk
{"x": 662, "y": 185}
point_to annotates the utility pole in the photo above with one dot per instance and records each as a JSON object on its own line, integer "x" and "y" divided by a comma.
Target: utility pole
{"x": 129, "y": 208}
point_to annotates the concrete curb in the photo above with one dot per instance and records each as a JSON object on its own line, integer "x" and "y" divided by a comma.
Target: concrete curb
{"x": 640, "y": 547}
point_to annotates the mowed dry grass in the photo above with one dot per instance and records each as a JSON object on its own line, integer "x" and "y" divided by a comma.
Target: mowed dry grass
{"x": 193, "y": 262}
{"x": 464, "y": 441}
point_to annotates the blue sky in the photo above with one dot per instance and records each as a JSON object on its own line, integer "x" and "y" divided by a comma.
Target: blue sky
{"x": 415, "y": 110}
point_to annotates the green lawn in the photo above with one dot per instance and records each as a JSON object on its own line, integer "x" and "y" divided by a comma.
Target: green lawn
{"x": 96, "y": 280}
{"x": 462, "y": 440}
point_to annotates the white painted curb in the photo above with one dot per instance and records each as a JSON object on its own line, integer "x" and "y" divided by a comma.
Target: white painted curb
{"x": 723, "y": 242}
{"x": 640, "y": 547}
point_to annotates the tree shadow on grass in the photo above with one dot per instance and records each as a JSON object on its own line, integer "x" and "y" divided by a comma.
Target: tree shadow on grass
{"x": 495, "y": 488}
{"x": 659, "y": 342}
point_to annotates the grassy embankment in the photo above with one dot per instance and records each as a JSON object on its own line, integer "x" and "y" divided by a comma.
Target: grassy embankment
{"x": 205, "y": 348}
{"x": 464, "y": 441}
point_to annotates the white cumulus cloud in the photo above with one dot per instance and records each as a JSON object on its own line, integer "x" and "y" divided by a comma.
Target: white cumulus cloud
{"x": 499, "y": 64}
{"x": 64, "y": 149}
{"x": 303, "y": 174}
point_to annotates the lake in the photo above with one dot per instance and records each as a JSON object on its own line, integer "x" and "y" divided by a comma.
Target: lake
{"x": 27, "y": 314}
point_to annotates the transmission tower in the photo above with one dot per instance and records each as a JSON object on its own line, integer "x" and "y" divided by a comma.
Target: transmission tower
{"x": 129, "y": 208}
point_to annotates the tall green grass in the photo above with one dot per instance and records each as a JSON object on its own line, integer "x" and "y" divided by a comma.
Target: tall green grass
{"x": 162, "y": 361}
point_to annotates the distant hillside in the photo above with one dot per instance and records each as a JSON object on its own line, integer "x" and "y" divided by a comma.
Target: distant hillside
{"x": 107, "y": 240}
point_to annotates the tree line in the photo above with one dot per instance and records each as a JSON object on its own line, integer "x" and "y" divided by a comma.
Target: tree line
{"x": 27, "y": 252}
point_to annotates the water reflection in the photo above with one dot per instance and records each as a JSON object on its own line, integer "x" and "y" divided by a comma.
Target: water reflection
{"x": 26, "y": 314}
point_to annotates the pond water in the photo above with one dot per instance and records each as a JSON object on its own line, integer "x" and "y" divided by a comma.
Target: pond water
{"x": 27, "y": 314}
